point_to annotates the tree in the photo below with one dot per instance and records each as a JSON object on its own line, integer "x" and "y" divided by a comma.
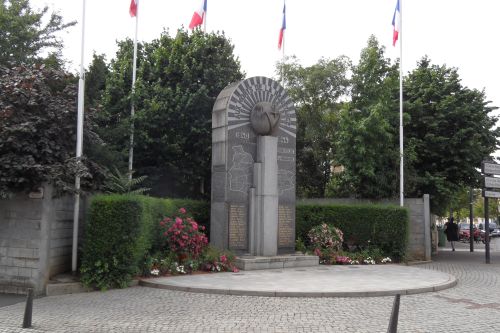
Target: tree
{"x": 367, "y": 137}
{"x": 178, "y": 81}
{"x": 450, "y": 131}
{"x": 23, "y": 33}
{"x": 317, "y": 92}
{"x": 38, "y": 132}
{"x": 95, "y": 80}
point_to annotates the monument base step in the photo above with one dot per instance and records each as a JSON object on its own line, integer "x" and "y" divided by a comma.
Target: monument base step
{"x": 250, "y": 263}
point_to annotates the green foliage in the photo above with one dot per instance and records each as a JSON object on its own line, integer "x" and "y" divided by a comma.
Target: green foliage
{"x": 367, "y": 137}
{"x": 118, "y": 183}
{"x": 122, "y": 232}
{"x": 25, "y": 33}
{"x": 450, "y": 131}
{"x": 38, "y": 132}
{"x": 385, "y": 227}
{"x": 118, "y": 235}
{"x": 95, "y": 80}
{"x": 316, "y": 91}
{"x": 178, "y": 80}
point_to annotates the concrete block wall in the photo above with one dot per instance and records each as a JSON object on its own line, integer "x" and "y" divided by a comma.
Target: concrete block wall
{"x": 36, "y": 236}
{"x": 20, "y": 224}
{"x": 419, "y": 238}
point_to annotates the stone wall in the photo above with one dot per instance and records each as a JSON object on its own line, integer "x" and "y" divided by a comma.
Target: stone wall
{"x": 36, "y": 235}
{"x": 419, "y": 241}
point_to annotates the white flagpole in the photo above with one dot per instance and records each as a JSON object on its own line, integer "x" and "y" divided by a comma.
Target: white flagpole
{"x": 79, "y": 144}
{"x": 283, "y": 45}
{"x": 401, "y": 151}
{"x": 205, "y": 19}
{"x": 132, "y": 108}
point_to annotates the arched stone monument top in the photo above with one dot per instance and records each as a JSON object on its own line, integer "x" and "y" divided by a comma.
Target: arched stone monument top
{"x": 241, "y": 99}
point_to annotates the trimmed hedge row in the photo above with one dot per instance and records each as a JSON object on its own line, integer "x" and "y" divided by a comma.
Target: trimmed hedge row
{"x": 121, "y": 230}
{"x": 385, "y": 227}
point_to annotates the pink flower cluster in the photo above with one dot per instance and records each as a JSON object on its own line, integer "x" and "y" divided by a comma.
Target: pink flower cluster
{"x": 325, "y": 236}
{"x": 222, "y": 265}
{"x": 183, "y": 235}
{"x": 342, "y": 260}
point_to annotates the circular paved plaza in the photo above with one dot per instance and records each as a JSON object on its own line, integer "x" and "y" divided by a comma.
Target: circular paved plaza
{"x": 471, "y": 306}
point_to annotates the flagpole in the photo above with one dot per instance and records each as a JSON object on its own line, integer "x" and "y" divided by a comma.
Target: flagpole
{"x": 401, "y": 151}
{"x": 79, "y": 144}
{"x": 283, "y": 47}
{"x": 205, "y": 19}
{"x": 132, "y": 107}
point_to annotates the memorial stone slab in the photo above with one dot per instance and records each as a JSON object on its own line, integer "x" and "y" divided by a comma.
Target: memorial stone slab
{"x": 243, "y": 111}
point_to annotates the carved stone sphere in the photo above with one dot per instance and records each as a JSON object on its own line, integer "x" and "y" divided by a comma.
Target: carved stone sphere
{"x": 264, "y": 118}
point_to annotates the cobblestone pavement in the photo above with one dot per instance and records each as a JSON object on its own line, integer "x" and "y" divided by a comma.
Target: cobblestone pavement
{"x": 472, "y": 306}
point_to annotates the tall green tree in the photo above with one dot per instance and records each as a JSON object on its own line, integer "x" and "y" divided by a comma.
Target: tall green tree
{"x": 179, "y": 79}
{"x": 95, "y": 80}
{"x": 25, "y": 33}
{"x": 367, "y": 137}
{"x": 317, "y": 91}
{"x": 450, "y": 131}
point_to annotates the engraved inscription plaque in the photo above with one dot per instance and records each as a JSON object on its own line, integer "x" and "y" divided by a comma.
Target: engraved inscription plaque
{"x": 286, "y": 232}
{"x": 237, "y": 227}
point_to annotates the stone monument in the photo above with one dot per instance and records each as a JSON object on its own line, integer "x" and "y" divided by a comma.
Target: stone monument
{"x": 253, "y": 172}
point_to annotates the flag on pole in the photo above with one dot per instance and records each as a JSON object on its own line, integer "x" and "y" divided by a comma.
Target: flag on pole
{"x": 133, "y": 8}
{"x": 283, "y": 27}
{"x": 199, "y": 15}
{"x": 396, "y": 19}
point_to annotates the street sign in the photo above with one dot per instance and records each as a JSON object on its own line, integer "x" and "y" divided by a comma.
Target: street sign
{"x": 490, "y": 168}
{"x": 491, "y": 194}
{"x": 492, "y": 182}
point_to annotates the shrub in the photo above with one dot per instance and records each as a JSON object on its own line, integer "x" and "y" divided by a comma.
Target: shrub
{"x": 183, "y": 236}
{"x": 121, "y": 233}
{"x": 325, "y": 236}
{"x": 215, "y": 260}
{"x": 117, "y": 237}
{"x": 384, "y": 227}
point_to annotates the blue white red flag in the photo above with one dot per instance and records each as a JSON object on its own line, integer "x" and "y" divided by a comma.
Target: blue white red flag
{"x": 283, "y": 27}
{"x": 396, "y": 21}
{"x": 199, "y": 15}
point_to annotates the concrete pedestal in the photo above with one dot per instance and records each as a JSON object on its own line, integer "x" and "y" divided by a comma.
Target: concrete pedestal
{"x": 263, "y": 196}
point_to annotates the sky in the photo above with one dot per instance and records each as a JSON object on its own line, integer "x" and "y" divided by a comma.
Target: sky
{"x": 458, "y": 33}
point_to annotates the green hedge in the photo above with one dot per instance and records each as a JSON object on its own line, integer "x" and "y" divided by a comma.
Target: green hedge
{"x": 385, "y": 227}
{"x": 121, "y": 230}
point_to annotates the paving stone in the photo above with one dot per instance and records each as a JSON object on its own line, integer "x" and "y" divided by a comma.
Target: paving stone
{"x": 472, "y": 306}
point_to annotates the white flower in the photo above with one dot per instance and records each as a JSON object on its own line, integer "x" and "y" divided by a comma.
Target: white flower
{"x": 386, "y": 260}
{"x": 155, "y": 272}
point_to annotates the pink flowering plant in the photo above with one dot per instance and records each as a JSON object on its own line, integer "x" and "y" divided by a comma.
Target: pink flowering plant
{"x": 326, "y": 241}
{"x": 184, "y": 236}
{"x": 215, "y": 260}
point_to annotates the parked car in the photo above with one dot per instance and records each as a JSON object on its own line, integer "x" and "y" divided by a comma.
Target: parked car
{"x": 494, "y": 230}
{"x": 464, "y": 232}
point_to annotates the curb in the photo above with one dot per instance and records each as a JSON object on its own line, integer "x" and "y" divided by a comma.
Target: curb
{"x": 236, "y": 292}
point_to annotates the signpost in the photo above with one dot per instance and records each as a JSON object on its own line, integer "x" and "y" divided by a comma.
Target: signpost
{"x": 490, "y": 185}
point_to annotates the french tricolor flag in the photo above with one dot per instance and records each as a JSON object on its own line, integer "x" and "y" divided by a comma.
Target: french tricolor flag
{"x": 283, "y": 27}
{"x": 396, "y": 21}
{"x": 199, "y": 15}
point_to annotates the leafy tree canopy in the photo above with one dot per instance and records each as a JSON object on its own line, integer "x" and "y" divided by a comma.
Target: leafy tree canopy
{"x": 367, "y": 137}
{"x": 317, "y": 91}
{"x": 38, "y": 132}
{"x": 24, "y": 35}
{"x": 450, "y": 130}
{"x": 178, "y": 80}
